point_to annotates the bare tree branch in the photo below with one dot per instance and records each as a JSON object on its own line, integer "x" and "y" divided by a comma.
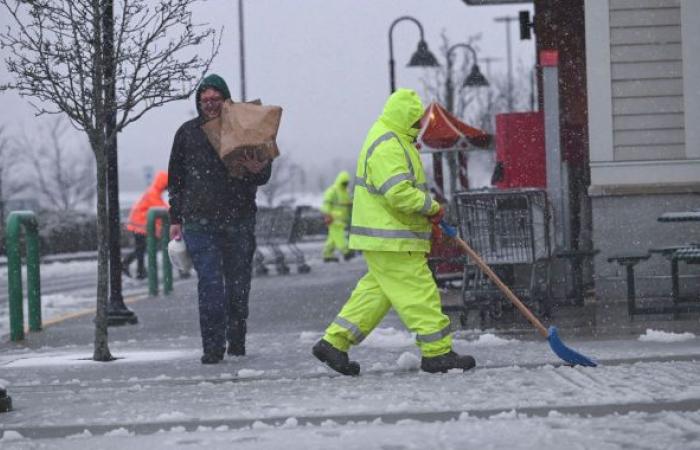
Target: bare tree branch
{"x": 11, "y": 183}
{"x": 57, "y": 58}
{"x": 283, "y": 170}
{"x": 63, "y": 177}
{"x": 476, "y": 106}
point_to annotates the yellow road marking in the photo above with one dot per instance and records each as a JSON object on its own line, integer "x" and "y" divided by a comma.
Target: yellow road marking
{"x": 85, "y": 312}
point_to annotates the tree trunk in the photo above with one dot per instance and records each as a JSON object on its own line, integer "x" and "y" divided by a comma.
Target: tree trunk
{"x": 102, "y": 352}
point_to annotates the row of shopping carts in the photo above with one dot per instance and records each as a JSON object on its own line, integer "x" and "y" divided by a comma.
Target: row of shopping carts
{"x": 277, "y": 229}
{"x": 509, "y": 228}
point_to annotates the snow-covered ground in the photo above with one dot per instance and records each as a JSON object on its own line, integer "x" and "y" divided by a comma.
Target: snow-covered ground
{"x": 644, "y": 394}
{"x": 71, "y": 289}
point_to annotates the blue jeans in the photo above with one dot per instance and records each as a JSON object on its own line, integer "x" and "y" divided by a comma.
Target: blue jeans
{"x": 222, "y": 257}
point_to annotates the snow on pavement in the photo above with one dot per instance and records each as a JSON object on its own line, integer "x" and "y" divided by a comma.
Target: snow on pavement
{"x": 668, "y": 430}
{"x": 158, "y": 388}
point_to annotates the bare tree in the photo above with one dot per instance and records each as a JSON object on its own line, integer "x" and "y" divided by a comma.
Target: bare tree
{"x": 63, "y": 176}
{"x": 434, "y": 80}
{"x": 477, "y": 106}
{"x": 10, "y": 184}
{"x": 283, "y": 171}
{"x": 73, "y": 57}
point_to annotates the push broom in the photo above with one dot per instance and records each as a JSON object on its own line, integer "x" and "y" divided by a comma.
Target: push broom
{"x": 558, "y": 347}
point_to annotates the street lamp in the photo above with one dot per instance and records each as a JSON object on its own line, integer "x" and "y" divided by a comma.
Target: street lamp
{"x": 474, "y": 79}
{"x": 422, "y": 57}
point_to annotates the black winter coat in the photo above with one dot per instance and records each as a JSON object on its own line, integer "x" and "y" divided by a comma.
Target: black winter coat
{"x": 200, "y": 188}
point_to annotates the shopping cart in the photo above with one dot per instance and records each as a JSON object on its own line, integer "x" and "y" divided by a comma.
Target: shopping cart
{"x": 274, "y": 228}
{"x": 509, "y": 228}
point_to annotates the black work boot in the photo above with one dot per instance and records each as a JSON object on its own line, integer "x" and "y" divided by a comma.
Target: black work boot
{"x": 349, "y": 255}
{"x": 335, "y": 359}
{"x": 445, "y": 362}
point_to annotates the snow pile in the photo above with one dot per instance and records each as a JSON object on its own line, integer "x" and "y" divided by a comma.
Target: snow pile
{"x": 389, "y": 338}
{"x": 4, "y": 384}
{"x": 291, "y": 422}
{"x": 408, "y": 361}
{"x": 11, "y": 435}
{"x": 250, "y": 373}
{"x": 121, "y": 431}
{"x": 491, "y": 340}
{"x": 170, "y": 416}
{"x": 309, "y": 337}
{"x": 85, "y": 434}
{"x": 663, "y": 336}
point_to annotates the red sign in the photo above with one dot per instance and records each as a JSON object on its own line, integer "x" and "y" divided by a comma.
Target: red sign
{"x": 549, "y": 58}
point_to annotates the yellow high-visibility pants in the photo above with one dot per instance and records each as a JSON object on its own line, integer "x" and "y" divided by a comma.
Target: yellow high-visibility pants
{"x": 401, "y": 280}
{"x": 337, "y": 240}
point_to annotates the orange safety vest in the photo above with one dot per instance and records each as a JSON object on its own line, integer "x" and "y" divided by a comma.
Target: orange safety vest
{"x": 152, "y": 197}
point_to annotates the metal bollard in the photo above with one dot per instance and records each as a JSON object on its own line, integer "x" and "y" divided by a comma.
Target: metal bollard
{"x": 158, "y": 213}
{"x": 15, "y": 221}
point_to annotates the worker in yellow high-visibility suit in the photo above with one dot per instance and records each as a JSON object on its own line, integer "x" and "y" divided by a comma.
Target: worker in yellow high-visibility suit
{"x": 336, "y": 214}
{"x": 391, "y": 224}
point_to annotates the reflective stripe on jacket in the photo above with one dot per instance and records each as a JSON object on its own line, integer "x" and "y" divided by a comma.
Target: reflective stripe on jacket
{"x": 391, "y": 200}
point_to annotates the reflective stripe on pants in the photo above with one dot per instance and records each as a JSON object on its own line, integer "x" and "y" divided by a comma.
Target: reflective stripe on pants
{"x": 402, "y": 280}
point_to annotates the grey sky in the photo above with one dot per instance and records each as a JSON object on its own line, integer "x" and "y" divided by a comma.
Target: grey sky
{"x": 324, "y": 61}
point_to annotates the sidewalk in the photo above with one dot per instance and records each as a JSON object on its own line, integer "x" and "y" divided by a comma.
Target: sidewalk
{"x": 279, "y": 395}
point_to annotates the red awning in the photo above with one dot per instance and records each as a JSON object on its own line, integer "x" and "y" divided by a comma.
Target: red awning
{"x": 441, "y": 131}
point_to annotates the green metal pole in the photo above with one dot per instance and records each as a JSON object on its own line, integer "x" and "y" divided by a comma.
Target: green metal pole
{"x": 15, "y": 221}
{"x": 154, "y": 214}
{"x": 152, "y": 248}
{"x": 14, "y": 277}
{"x": 33, "y": 278}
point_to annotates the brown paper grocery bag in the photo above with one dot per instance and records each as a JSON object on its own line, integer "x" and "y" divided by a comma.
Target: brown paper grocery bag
{"x": 212, "y": 128}
{"x": 247, "y": 129}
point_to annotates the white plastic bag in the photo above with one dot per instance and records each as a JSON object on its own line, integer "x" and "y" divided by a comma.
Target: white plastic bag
{"x": 179, "y": 256}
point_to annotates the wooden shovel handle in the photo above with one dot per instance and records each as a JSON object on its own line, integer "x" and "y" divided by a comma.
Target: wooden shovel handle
{"x": 501, "y": 286}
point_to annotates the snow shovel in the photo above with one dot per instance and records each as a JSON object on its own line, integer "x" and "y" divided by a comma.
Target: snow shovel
{"x": 558, "y": 347}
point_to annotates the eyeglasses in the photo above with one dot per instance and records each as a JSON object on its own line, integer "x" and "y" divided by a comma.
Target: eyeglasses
{"x": 211, "y": 101}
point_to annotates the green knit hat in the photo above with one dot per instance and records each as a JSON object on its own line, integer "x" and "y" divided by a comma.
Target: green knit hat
{"x": 212, "y": 81}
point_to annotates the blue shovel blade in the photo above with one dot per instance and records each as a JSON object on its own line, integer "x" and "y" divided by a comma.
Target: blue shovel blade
{"x": 565, "y": 353}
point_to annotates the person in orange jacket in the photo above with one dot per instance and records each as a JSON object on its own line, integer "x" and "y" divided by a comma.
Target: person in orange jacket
{"x": 137, "y": 223}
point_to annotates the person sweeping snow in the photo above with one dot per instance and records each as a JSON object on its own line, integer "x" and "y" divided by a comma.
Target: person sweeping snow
{"x": 392, "y": 217}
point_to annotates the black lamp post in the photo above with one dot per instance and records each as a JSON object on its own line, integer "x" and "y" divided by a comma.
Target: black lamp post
{"x": 422, "y": 57}
{"x": 117, "y": 312}
{"x": 474, "y": 79}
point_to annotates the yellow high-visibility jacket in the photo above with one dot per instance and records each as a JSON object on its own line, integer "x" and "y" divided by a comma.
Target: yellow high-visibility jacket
{"x": 391, "y": 202}
{"x": 336, "y": 199}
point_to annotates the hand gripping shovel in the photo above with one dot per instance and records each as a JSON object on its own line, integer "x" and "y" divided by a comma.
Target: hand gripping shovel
{"x": 558, "y": 347}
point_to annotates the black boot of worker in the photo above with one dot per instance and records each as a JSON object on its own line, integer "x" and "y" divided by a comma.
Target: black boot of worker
{"x": 335, "y": 359}
{"x": 445, "y": 362}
